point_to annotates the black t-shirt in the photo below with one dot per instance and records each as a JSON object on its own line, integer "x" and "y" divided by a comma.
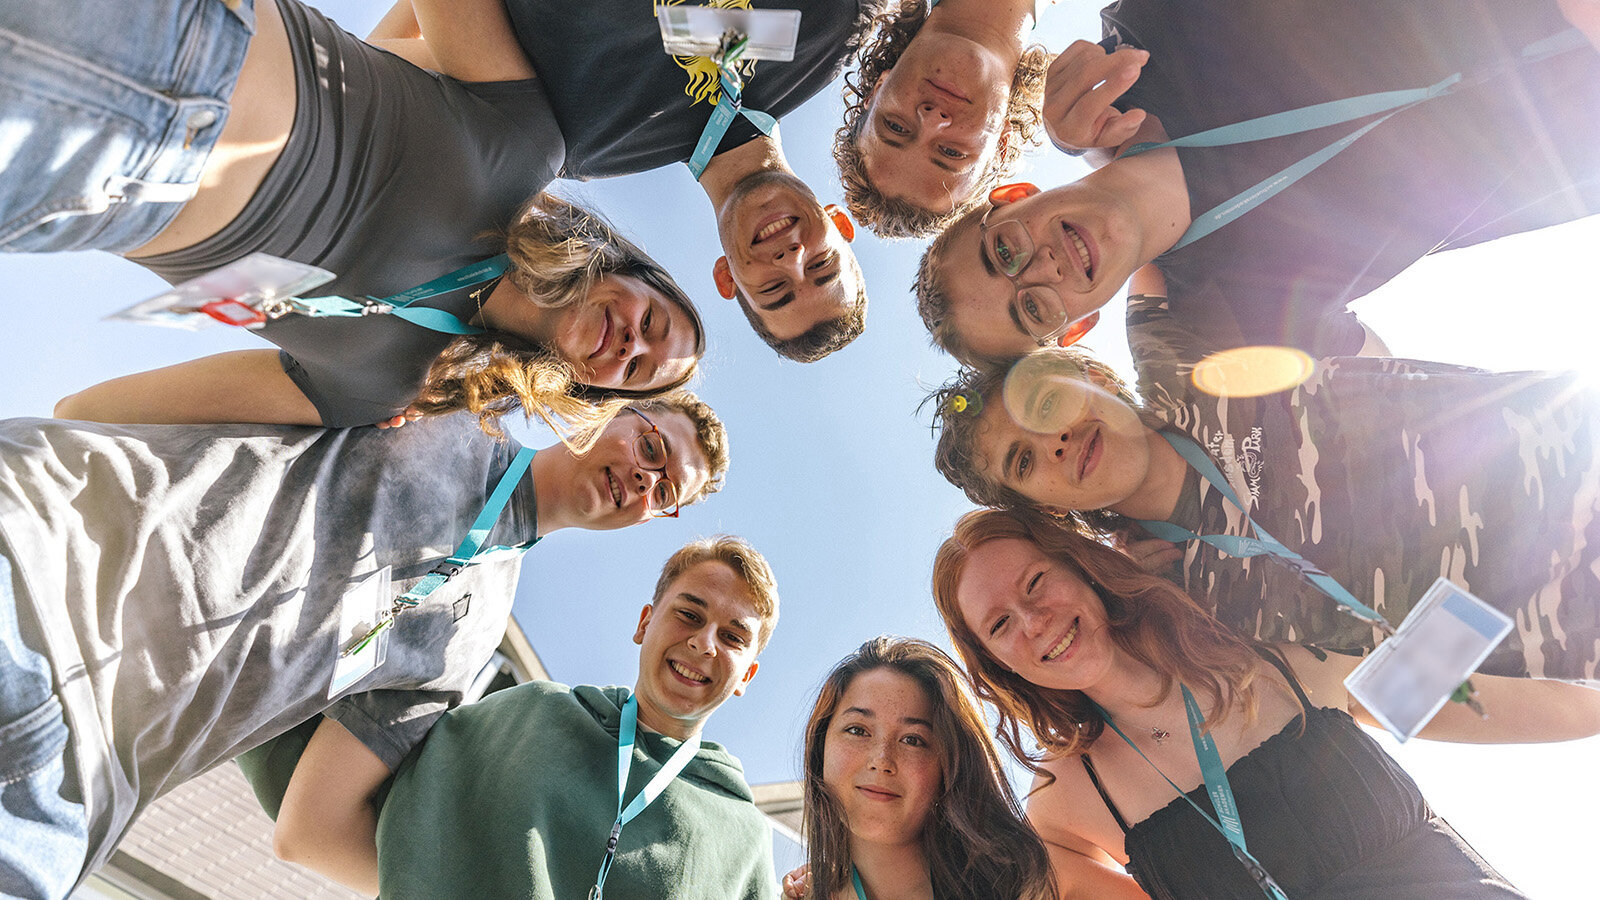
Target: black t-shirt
{"x": 625, "y": 106}
{"x": 1519, "y": 152}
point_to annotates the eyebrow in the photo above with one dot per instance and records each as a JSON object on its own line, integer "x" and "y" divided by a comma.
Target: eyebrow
{"x": 740, "y": 625}
{"x": 1011, "y": 456}
{"x": 779, "y": 303}
{"x": 897, "y": 141}
{"x": 869, "y": 714}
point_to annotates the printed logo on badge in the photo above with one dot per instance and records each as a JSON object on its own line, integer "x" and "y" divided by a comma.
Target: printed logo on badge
{"x": 362, "y": 609}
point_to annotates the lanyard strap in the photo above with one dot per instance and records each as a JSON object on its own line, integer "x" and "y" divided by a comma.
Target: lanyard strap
{"x": 1322, "y": 115}
{"x": 1262, "y": 545}
{"x": 855, "y": 875}
{"x": 398, "y": 305}
{"x": 680, "y": 758}
{"x": 1217, "y": 788}
{"x": 729, "y": 107}
{"x": 464, "y": 553}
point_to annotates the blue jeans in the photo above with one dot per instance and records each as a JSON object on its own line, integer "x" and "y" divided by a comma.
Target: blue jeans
{"x": 43, "y": 831}
{"x": 107, "y": 113}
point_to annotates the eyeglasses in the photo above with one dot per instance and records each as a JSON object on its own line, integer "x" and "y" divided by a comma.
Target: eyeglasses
{"x": 650, "y": 452}
{"x": 1039, "y": 309}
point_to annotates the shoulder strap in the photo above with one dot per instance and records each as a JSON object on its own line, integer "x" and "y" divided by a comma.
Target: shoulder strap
{"x": 1094, "y": 777}
{"x": 1271, "y": 655}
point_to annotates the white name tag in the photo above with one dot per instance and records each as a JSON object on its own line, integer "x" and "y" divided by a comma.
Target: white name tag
{"x": 1408, "y": 677}
{"x": 233, "y": 294}
{"x": 363, "y": 605}
{"x": 698, "y": 30}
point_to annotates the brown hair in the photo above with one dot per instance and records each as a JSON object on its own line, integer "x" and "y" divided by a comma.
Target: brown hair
{"x": 824, "y": 337}
{"x": 1152, "y": 620}
{"x": 709, "y": 434}
{"x": 559, "y": 252}
{"x": 745, "y": 561}
{"x": 959, "y": 460}
{"x": 975, "y": 841}
{"x": 892, "y": 218}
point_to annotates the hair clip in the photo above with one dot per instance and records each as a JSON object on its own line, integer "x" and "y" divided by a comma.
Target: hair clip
{"x": 965, "y": 401}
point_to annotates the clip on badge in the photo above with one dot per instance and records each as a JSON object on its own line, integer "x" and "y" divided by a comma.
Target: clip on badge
{"x": 699, "y": 31}
{"x": 245, "y": 293}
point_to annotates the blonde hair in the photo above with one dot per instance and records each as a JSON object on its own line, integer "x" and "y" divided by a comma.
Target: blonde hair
{"x": 559, "y": 252}
{"x": 745, "y": 561}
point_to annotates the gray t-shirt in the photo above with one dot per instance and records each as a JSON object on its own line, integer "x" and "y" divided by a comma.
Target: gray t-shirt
{"x": 188, "y": 581}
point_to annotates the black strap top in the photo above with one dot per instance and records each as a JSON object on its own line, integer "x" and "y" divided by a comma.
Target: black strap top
{"x": 1325, "y": 810}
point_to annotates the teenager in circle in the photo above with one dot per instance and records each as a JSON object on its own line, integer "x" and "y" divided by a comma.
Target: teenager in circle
{"x": 528, "y": 777}
{"x": 1109, "y": 669}
{"x": 176, "y": 595}
{"x": 904, "y": 793}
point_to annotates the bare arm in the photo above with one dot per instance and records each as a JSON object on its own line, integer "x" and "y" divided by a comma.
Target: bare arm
{"x": 242, "y": 386}
{"x": 327, "y": 822}
{"x": 1585, "y": 16}
{"x": 398, "y": 33}
{"x": 1083, "y": 869}
{"x": 1521, "y": 710}
{"x": 472, "y": 40}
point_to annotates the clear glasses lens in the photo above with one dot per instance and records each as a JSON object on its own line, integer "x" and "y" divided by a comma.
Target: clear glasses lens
{"x": 651, "y": 453}
{"x": 1009, "y": 248}
{"x": 1041, "y": 312}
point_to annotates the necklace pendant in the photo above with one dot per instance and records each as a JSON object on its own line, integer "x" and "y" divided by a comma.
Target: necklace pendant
{"x": 1160, "y": 735}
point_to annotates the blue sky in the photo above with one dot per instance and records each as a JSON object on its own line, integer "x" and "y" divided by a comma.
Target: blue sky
{"x": 831, "y": 474}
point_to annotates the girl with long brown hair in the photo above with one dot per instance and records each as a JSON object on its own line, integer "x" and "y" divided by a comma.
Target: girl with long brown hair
{"x": 1096, "y": 660}
{"x": 904, "y": 794}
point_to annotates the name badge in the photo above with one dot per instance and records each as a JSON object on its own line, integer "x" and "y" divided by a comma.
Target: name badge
{"x": 239, "y": 293}
{"x": 363, "y": 606}
{"x": 1407, "y": 678}
{"x": 698, "y": 30}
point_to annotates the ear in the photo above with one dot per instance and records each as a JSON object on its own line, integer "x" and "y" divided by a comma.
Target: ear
{"x": 644, "y": 620}
{"x": 723, "y": 276}
{"x": 841, "y": 221}
{"x": 745, "y": 681}
{"x": 1078, "y": 329}
{"x": 1011, "y": 193}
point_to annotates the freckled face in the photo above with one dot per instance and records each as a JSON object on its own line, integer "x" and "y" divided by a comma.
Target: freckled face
{"x": 1035, "y": 616}
{"x": 880, "y": 759}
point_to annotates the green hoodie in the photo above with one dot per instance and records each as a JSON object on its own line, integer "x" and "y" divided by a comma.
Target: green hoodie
{"x": 514, "y": 797}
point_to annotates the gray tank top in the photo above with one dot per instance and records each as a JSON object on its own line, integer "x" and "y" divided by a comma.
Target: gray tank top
{"x": 392, "y": 176}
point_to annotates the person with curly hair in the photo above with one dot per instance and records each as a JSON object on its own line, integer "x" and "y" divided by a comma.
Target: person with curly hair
{"x": 904, "y": 792}
{"x": 1114, "y": 675}
{"x": 1272, "y": 236}
{"x": 940, "y": 109}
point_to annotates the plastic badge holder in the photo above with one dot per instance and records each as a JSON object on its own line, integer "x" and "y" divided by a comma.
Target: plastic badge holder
{"x": 234, "y": 294}
{"x": 1408, "y": 677}
{"x": 698, "y": 30}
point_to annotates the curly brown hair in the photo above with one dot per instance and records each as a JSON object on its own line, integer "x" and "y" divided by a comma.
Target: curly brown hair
{"x": 892, "y": 218}
{"x": 559, "y": 251}
{"x": 1152, "y": 620}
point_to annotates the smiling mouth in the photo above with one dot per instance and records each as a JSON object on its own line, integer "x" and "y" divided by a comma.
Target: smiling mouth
{"x": 615, "y": 487}
{"x": 1080, "y": 247}
{"x": 948, "y": 89}
{"x": 877, "y": 793}
{"x": 605, "y": 333}
{"x": 1066, "y": 642}
{"x": 1090, "y": 455}
{"x": 684, "y": 672}
{"x": 775, "y": 227}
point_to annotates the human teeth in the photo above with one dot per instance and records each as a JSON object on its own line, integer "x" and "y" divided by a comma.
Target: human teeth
{"x": 775, "y": 227}
{"x": 1066, "y": 642}
{"x": 686, "y": 673}
{"x": 1079, "y": 245}
{"x": 616, "y": 488}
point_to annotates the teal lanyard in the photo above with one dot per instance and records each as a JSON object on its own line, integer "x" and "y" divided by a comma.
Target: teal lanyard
{"x": 470, "y": 547}
{"x": 399, "y": 305}
{"x": 1216, "y": 777}
{"x": 1322, "y": 115}
{"x": 729, "y": 107}
{"x": 855, "y": 875}
{"x": 1262, "y": 545}
{"x": 652, "y": 790}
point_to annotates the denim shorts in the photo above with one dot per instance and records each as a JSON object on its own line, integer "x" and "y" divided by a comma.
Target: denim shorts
{"x": 43, "y": 829}
{"x": 107, "y": 112}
